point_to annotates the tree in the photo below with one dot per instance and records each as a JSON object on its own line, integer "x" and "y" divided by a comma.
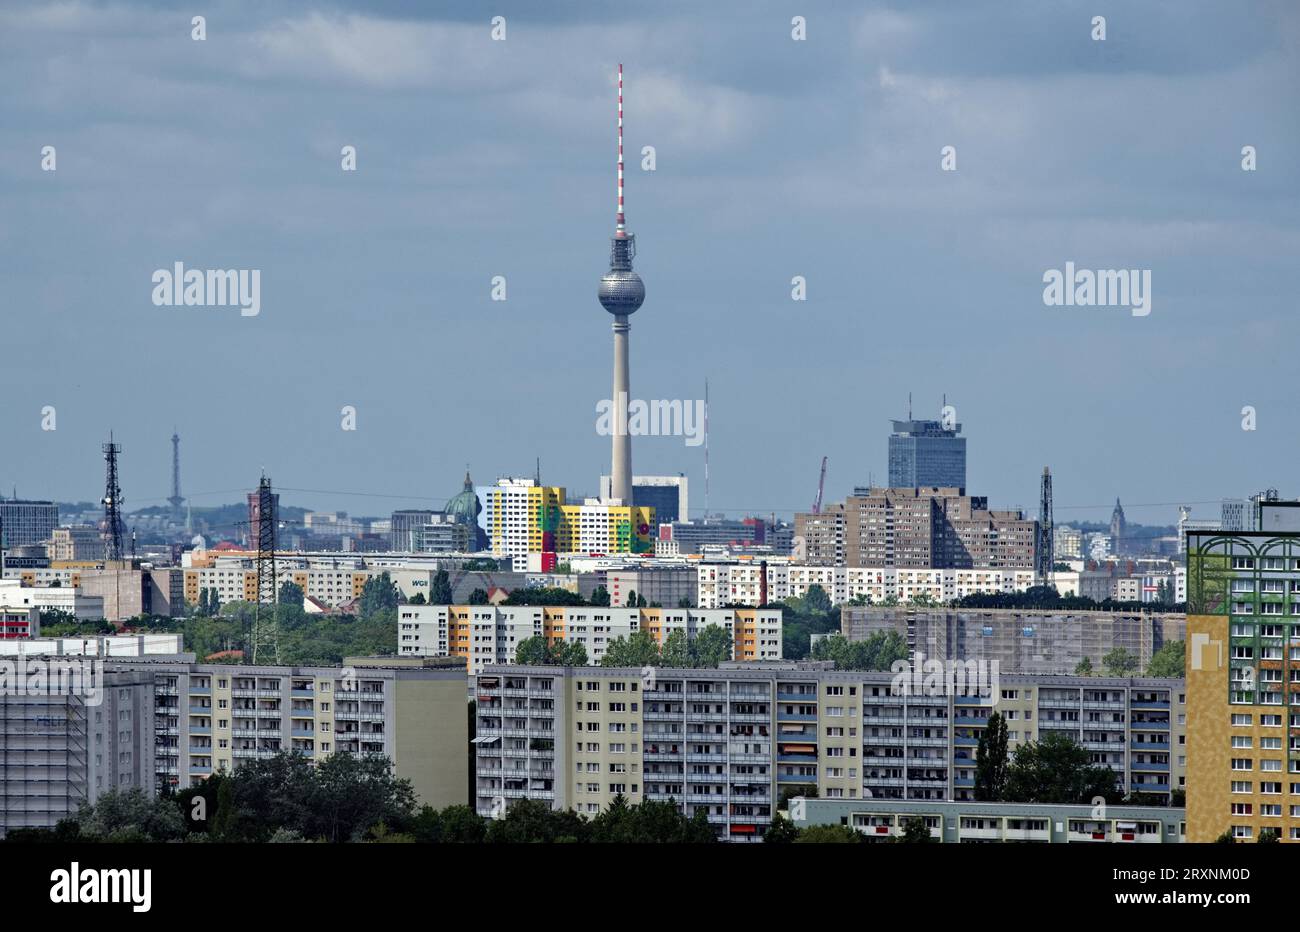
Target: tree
{"x": 684, "y": 602}
{"x": 378, "y": 595}
{"x": 478, "y": 597}
{"x": 417, "y": 599}
{"x": 676, "y": 651}
{"x": 1055, "y": 769}
{"x": 712, "y": 646}
{"x": 1226, "y": 838}
{"x": 600, "y": 596}
{"x": 877, "y": 652}
{"x": 1168, "y": 661}
{"x": 130, "y": 816}
{"x": 829, "y": 835}
{"x": 1083, "y": 667}
{"x": 291, "y": 594}
{"x": 440, "y": 591}
{"x": 991, "y": 760}
{"x": 1268, "y": 836}
{"x": 915, "y": 831}
{"x": 533, "y": 651}
{"x": 817, "y": 601}
{"x": 636, "y": 650}
{"x": 349, "y": 795}
{"x": 1164, "y": 593}
{"x": 543, "y": 595}
{"x": 224, "y": 814}
{"x": 1120, "y": 662}
{"x": 781, "y": 832}
{"x": 571, "y": 654}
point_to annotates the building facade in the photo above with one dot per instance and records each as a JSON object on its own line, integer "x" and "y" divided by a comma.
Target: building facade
{"x": 937, "y": 527}
{"x": 667, "y": 495}
{"x": 1025, "y": 640}
{"x": 489, "y": 634}
{"x": 736, "y": 741}
{"x": 756, "y": 582}
{"x": 24, "y": 523}
{"x": 59, "y": 750}
{"x": 1243, "y": 681}
{"x": 209, "y": 718}
{"x": 522, "y": 517}
{"x": 927, "y": 453}
{"x": 76, "y": 543}
{"x": 985, "y": 823}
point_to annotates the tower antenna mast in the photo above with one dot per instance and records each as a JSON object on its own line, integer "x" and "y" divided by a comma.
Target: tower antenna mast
{"x": 621, "y": 293}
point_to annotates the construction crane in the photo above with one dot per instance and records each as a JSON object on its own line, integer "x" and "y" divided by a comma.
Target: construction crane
{"x": 821, "y": 487}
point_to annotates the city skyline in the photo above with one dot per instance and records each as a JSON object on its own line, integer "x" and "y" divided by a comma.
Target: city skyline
{"x": 378, "y": 279}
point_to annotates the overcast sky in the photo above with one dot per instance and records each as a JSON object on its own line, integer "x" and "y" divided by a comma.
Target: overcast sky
{"x": 775, "y": 158}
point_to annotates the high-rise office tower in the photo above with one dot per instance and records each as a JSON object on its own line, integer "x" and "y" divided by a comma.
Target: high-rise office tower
{"x": 621, "y": 293}
{"x": 927, "y": 454}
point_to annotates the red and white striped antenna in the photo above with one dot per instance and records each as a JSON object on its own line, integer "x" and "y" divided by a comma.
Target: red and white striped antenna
{"x": 619, "y": 226}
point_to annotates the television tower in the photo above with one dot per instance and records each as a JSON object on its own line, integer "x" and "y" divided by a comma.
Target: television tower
{"x": 111, "y": 527}
{"x": 621, "y": 293}
{"x": 176, "y": 500}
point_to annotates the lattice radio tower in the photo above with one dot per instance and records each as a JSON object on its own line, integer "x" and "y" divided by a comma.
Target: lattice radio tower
{"x": 112, "y": 526}
{"x": 266, "y": 634}
{"x": 1045, "y": 558}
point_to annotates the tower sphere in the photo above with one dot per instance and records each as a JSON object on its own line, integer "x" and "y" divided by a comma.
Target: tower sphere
{"x": 621, "y": 291}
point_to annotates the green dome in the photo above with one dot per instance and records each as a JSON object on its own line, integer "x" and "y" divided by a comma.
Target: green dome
{"x": 465, "y": 507}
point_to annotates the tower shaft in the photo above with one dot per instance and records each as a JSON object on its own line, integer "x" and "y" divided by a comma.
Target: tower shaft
{"x": 621, "y": 459}
{"x": 176, "y": 500}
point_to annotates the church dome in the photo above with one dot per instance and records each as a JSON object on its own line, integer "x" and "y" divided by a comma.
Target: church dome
{"x": 464, "y": 507}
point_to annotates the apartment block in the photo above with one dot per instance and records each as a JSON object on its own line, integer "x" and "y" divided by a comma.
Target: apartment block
{"x": 922, "y": 527}
{"x": 577, "y": 738}
{"x": 665, "y": 585}
{"x": 61, "y": 749}
{"x": 522, "y": 517}
{"x": 991, "y": 822}
{"x": 76, "y": 543}
{"x": 1243, "y": 681}
{"x": 489, "y": 634}
{"x": 737, "y": 740}
{"x": 210, "y": 718}
{"x": 1023, "y": 640}
{"x": 761, "y": 583}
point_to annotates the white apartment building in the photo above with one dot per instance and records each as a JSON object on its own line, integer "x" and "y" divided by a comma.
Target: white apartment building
{"x": 114, "y": 645}
{"x": 748, "y": 583}
{"x": 61, "y": 598}
{"x": 488, "y": 634}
